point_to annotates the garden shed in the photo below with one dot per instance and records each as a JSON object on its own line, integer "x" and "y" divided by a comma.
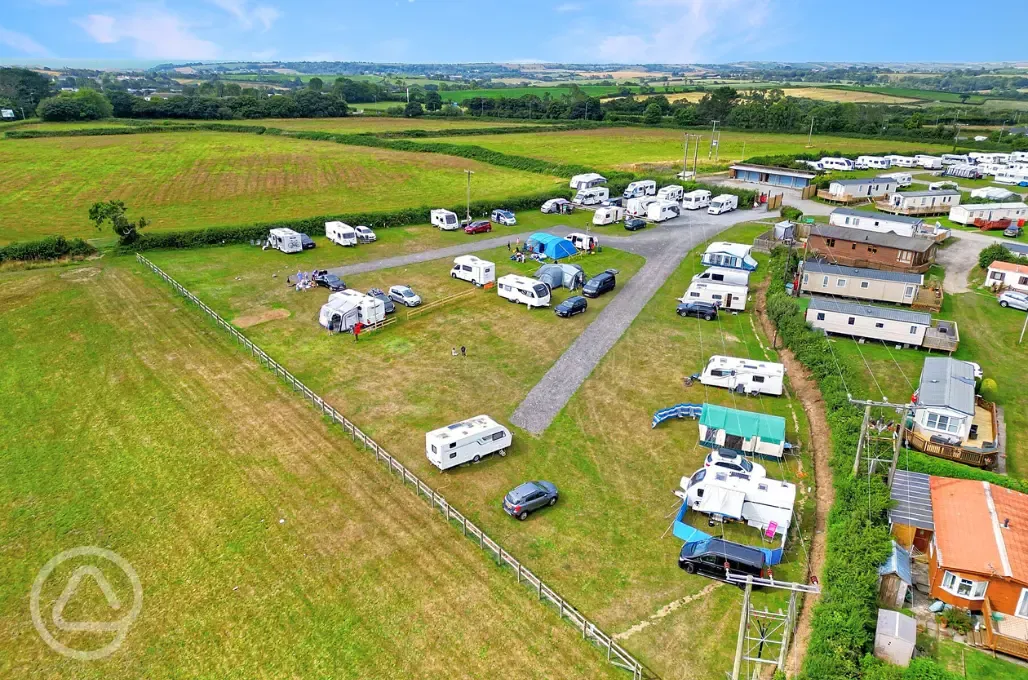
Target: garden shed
{"x": 895, "y": 637}
{"x": 895, "y": 578}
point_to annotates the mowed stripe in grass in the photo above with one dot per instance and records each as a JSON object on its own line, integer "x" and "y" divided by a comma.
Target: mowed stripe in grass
{"x": 200, "y": 179}
{"x": 267, "y": 545}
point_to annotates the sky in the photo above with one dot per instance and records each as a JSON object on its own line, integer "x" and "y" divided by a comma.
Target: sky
{"x": 124, "y": 32}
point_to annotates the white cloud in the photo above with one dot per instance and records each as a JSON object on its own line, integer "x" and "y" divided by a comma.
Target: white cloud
{"x": 569, "y": 7}
{"x": 21, "y": 43}
{"x": 153, "y": 32}
{"x": 248, "y": 16}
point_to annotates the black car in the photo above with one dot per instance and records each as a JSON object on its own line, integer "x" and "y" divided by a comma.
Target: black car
{"x": 330, "y": 281}
{"x": 715, "y": 557}
{"x": 529, "y": 497}
{"x": 599, "y": 284}
{"x": 634, "y": 224}
{"x": 306, "y": 241}
{"x": 380, "y": 294}
{"x": 702, "y": 310}
{"x": 575, "y": 304}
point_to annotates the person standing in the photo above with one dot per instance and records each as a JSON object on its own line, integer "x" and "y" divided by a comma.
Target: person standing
{"x": 463, "y": 351}
{"x": 357, "y": 328}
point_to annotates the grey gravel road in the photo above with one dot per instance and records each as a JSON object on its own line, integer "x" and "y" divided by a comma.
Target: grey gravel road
{"x": 959, "y": 258}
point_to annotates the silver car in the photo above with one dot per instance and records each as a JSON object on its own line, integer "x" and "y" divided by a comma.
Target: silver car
{"x": 404, "y": 295}
{"x": 529, "y": 497}
{"x": 1011, "y": 298}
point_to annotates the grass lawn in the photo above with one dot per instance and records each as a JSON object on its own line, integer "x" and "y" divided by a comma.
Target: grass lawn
{"x": 973, "y": 664}
{"x": 202, "y": 179}
{"x": 356, "y": 124}
{"x": 266, "y": 544}
{"x": 77, "y": 125}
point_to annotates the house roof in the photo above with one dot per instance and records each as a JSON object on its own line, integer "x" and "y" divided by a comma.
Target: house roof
{"x": 884, "y": 217}
{"x": 1009, "y": 267}
{"x": 948, "y": 383}
{"x": 1019, "y": 248}
{"x": 773, "y": 170}
{"x": 858, "y": 309}
{"x": 913, "y": 497}
{"x": 898, "y": 563}
{"x": 937, "y": 192}
{"x": 745, "y": 424}
{"x": 819, "y": 267}
{"x": 1012, "y": 505}
{"x": 887, "y": 240}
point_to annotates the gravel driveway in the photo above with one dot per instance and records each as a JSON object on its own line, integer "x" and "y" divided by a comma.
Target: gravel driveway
{"x": 959, "y": 258}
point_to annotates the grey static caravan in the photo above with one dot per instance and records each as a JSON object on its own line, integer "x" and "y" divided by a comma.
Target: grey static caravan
{"x": 744, "y": 375}
{"x": 877, "y": 285}
{"x": 341, "y": 233}
{"x": 468, "y": 441}
{"x": 761, "y": 502}
{"x": 694, "y": 200}
{"x": 643, "y": 187}
{"x": 872, "y": 163}
{"x": 473, "y": 269}
{"x": 587, "y": 181}
{"x": 672, "y": 192}
{"x": 523, "y": 290}
{"x": 286, "y": 240}
{"x": 894, "y": 326}
{"x": 725, "y": 295}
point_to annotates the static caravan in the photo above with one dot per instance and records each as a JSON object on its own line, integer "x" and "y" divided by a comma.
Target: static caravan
{"x": 523, "y": 290}
{"x": 644, "y": 187}
{"x": 955, "y": 159}
{"x": 876, "y": 285}
{"x": 638, "y": 207}
{"x": 591, "y": 196}
{"x": 890, "y": 325}
{"x": 923, "y": 202}
{"x": 992, "y": 169}
{"x": 725, "y": 295}
{"x": 881, "y": 223}
{"x": 286, "y": 240}
{"x": 903, "y": 179}
{"x": 763, "y": 503}
{"x": 902, "y": 161}
{"x": 468, "y": 441}
{"x": 990, "y": 212}
{"x": 582, "y": 241}
{"x": 722, "y": 204}
{"x": 928, "y": 162}
{"x": 694, "y": 200}
{"x": 445, "y": 220}
{"x": 587, "y": 181}
{"x": 744, "y": 375}
{"x": 836, "y": 163}
{"x": 735, "y": 277}
{"x": 369, "y": 309}
{"x": 473, "y": 269}
{"x": 661, "y": 211}
{"x": 866, "y": 188}
{"x": 609, "y": 215}
{"x": 1013, "y": 176}
{"x": 742, "y": 431}
{"x": 872, "y": 163}
{"x": 731, "y": 255}
{"x": 341, "y": 233}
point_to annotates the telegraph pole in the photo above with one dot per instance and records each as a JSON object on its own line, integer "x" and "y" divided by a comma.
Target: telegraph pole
{"x": 713, "y": 140}
{"x": 810, "y": 135}
{"x": 469, "y": 174}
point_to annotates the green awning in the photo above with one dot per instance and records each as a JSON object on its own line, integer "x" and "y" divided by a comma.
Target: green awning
{"x": 745, "y": 424}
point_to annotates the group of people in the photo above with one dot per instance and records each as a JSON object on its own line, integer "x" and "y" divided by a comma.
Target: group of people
{"x": 463, "y": 351}
{"x": 304, "y": 281}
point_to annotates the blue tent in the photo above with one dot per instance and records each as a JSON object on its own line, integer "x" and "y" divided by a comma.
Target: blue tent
{"x": 553, "y": 247}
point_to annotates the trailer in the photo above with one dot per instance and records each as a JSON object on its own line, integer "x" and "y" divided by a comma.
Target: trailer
{"x": 285, "y": 240}
{"x": 956, "y": 159}
{"x": 638, "y": 207}
{"x": 872, "y": 163}
{"x": 446, "y": 220}
{"x": 734, "y": 277}
{"x": 928, "y": 162}
{"x": 745, "y": 376}
{"x": 468, "y": 441}
{"x": 609, "y": 215}
{"x": 472, "y": 269}
{"x": 341, "y": 233}
{"x": 583, "y": 241}
{"x": 661, "y": 211}
{"x": 694, "y": 200}
{"x": 672, "y": 192}
{"x": 724, "y": 295}
{"x": 591, "y": 196}
{"x": 722, "y": 204}
{"x": 643, "y": 187}
{"x": 587, "y": 181}
{"x": 523, "y": 290}
{"x": 347, "y": 308}
{"x": 836, "y": 163}
{"x": 763, "y": 503}
{"x": 902, "y": 161}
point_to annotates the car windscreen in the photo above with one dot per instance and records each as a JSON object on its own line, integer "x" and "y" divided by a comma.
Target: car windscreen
{"x": 408, "y": 293}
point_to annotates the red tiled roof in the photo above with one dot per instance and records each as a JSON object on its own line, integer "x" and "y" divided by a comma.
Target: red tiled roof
{"x": 1013, "y": 506}
{"x": 1009, "y": 267}
{"x": 964, "y": 532}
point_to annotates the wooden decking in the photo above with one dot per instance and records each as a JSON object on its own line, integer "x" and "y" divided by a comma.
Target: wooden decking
{"x": 982, "y": 452}
{"x": 842, "y": 199}
{"x": 942, "y": 335}
{"x": 985, "y": 426}
{"x": 929, "y": 299}
{"x": 1007, "y": 634}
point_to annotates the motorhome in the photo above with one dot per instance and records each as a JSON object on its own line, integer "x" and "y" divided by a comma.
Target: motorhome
{"x": 672, "y": 192}
{"x": 609, "y": 215}
{"x": 902, "y": 161}
{"x": 903, "y": 179}
{"x": 523, "y": 290}
{"x": 694, "y": 200}
{"x": 660, "y": 211}
{"x": 836, "y": 163}
{"x": 591, "y": 196}
{"x": 445, "y": 220}
{"x": 872, "y": 163}
{"x": 745, "y": 376}
{"x": 722, "y": 204}
{"x": 735, "y": 277}
{"x": 286, "y": 240}
{"x": 583, "y": 241}
{"x": 928, "y": 162}
{"x": 638, "y": 207}
{"x": 643, "y": 187}
{"x": 725, "y": 295}
{"x": 468, "y": 441}
{"x": 955, "y": 159}
{"x": 587, "y": 181}
{"x": 470, "y": 268}
{"x": 341, "y": 233}
{"x": 763, "y": 503}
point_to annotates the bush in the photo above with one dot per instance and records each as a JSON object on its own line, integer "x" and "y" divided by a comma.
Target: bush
{"x": 989, "y": 390}
{"x": 790, "y": 213}
{"x": 989, "y": 254}
{"x": 49, "y": 248}
{"x": 81, "y": 105}
{"x": 957, "y": 619}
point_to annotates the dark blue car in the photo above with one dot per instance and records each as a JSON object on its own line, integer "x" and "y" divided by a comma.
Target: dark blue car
{"x": 575, "y": 304}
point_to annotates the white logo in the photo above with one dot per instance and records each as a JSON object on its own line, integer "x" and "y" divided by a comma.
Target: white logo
{"x": 119, "y": 628}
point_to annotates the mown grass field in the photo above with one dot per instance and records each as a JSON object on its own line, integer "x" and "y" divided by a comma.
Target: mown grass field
{"x": 199, "y": 179}
{"x": 973, "y": 664}
{"x": 539, "y": 91}
{"x": 266, "y": 544}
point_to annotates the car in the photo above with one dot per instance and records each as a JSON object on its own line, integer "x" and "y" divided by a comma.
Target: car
{"x": 1013, "y": 231}
{"x": 726, "y": 459}
{"x": 478, "y": 227}
{"x": 330, "y": 281}
{"x": 1011, "y": 298}
{"x": 576, "y": 304}
{"x": 504, "y": 217}
{"x": 404, "y": 295}
{"x": 702, "y": 310}
{"x": 307, "y": 242}
{"x": 716, "y": 557}
{"x": 634, "y": 224}
{"x": 380, "y": 294}
{"x": 365, "y": 235}
{"x": 529, "y": 497}
{"x": 599, "y": 284}
{"x": 613, "y": 202}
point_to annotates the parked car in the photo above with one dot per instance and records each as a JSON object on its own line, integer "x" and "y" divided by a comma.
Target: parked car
{"x": 599, "y": 284}
{"x": 726, "y": 459}
{"x": 613, "y": 202}
{"x": 634, "y": 224}
{"x": 365, "y": 235}
{"x": 404, "y": 295}
{"x": 715, "y": 557}
{"x": 1013, "y": 231}
{"x": 1011, "y": 298}
{"x": 307, "y": 242}
{"x": 330, "y": 281}
{"x": 504, "y": 217}
{"x": 380, "y": 294}
{"x": 529, "y": 497}
{"x": 576, "y": 304}
{"x": 478, "y": 227}
{"x": 703, "y": 310}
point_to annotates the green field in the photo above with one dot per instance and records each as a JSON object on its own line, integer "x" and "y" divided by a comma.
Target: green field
{"x": 193, "y": 180}
{"x": 555, "y": 91}
{"x": 974, "y": 664}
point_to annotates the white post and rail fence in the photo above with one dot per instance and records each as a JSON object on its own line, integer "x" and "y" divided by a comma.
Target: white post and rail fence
{"x": 616, "y": 654}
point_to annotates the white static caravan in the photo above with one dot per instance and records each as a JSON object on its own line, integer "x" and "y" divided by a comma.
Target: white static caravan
{"x": 760, "y": 502}
{"x": 694, "y": 200}
{"x": 725, "y": 295}
{"x": 722, "y": 204}
{"x": 903, "y": 179}
{"x": 744, "y": 375}
{"x": 968, "y": 213}
{"x": 523, "y": 290}
{"x": 466, "y": 442}
{"x": 286, "y": 240}
{"x": 644, "y": 187}
{"x": 445, "y": 220}
{"x": 881, "y": 223}
{"x": 1012, "y": 176}
{"x": 872, "y": 163}
{"x": 591, "y": 196}
{"x": 734, "y": 277}
{"x": 472, "y": 269}
{"x": 836, "y": 163}
{"x": 638, "y": 207}
{"x": 888, "y": 324}
{"x": 902, "y": 161}
{"x": 609, "y": 215}
{"x": 341, "y": 233}
{"x": 672, "y": 192}
{"x": 587, "y": 181}
{"x": 661, "y": 211}
{"x": 928, "y": 162}
{"x": 731, "y": 255}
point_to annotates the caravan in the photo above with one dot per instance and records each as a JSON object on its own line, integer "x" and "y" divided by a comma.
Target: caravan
{"x": 694, "y": 200}
{"x": 591, "y": 196}
{"x": 734, "y": 277}
{"x": 445, "y": 220}
{"x": 763, "y": 503}
{"x": 955, "y": 159}
{"x": 903, "y": 179}
{"x": 671, "y": 192}
{"x": 609, "y": 215}
{"x": 466, "y": 442}
{"x": 836, "y": 163}
{"x": 644, "y": 187}
{"x": 523, "y": 290}
{"x": 583, "y": 241}
{"x": 471, "y": 268}
{"x": 902, "y": 161}
{"x": 341, "y": 233}
{"x": 286, "y": 240}
{"x": 872, "y": 163}
{"x": 722, "y": 204}
{"x": 724, "y": 295}
{"x": 348, "y": 307}
{"x": 744, "y": 375}
{"x": 587, "y": 181}
{"x": 638, "y": 207}
{"x": 928, "y": 162}
{"x": 1012, "y": 176}
{"x": 660, "y": 211}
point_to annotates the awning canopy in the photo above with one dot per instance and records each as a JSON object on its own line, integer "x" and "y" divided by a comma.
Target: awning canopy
{"x": 722, "y": 501}
{"x": 745, "y": 424}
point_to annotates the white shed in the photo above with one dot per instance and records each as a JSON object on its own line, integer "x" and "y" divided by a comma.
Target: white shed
{"x": 895, "y": 637}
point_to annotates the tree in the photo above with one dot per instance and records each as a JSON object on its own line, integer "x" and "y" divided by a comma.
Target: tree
{"x": 121, "y": 103}
{"x": 413, "y": 110}
{"x": 81, "y": 105}
{"x": 433, "y": 101}
{"x": 997, "y": 251}
{"x": 653, "y": 114}
{"x": 102, "y": 212}
{"x": 315, "y": 84}
{"x": 686, "y": 116}
{"x": 24, "y": 87}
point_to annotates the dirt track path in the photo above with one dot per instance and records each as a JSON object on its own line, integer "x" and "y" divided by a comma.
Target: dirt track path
{"x": 820, "y": 442}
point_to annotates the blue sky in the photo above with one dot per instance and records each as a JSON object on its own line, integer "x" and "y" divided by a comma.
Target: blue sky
{"x": 57, "y": 32}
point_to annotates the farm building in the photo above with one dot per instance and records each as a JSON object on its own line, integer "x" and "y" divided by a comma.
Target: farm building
{"x": 742, "y": 431}
{"x": 910, "y": 519}
{"x": 876, "y": 221}
{"x": 920, "y": 202}
{"x": 766, "y": 174}
{"x": 854, "y": 190}
{"x": 990, "y": 215}
{"x": 895, "y": 637}
{"x": 729, "y": 255}
{"x": 1002, "y": 275}
{"x": 854, "y": 247}
{"x": 886, "y": 324}
{"x": 877, "y": 285}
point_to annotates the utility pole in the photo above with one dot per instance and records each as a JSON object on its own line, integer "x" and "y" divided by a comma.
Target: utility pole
{"x": 872, "y": 445}
{"x": 696, "y": 155}
{"x": 469, "y": 174}
{"x": 685, "y": 154}
{"x": 713, "y": 140}
{"x": 1021, "y": 339}
{"x": 810, "y": 135}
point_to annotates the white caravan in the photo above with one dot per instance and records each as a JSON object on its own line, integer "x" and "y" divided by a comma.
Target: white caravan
{"x": 744, "y": 375}
{"x": 722, "y": 204}
{"x": 466, "y": 442}
{"x": 1019, "y": 156}
{"x": 814, "y": 165}
{"x": 694, "y": 200}
{"x": 582, "y": 241}
{"x": 286, "y": 240}
{"x": 523, "y": 290}
{"x": 903, "y": 179}
{"x": 661, "y": 211}
{"x": 644, "y": 187}
{"x": 990, "y": 157}
{"x": 609, "y": 215}
{"x": 587, "y": 181}
{"x": 371, "y": 309}
{"x": 734, "y": 277}
{"x": 725, "y": 295}
{"x": 591, "y": 196}
{"x": 836, "y": 163}
{"x": 1015, "y": 176}
{"x": 902, "y": 161}
{"x": 955, "y": 159}
{"x": 928, "y": 162}
{"x": 672, "y": 192}
{"x": 341, "y": 233}
{"x": 872, "y": 163}
{"x": 445, "y": 220}
{"x": 760, "y": 501}
{"x": 637, "y": 207}
{"x": 473, "y": 269}
{"x": 348, "y": 307}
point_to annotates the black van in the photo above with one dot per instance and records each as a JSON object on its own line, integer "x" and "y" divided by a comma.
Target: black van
{"x": 599, "y": 284}
{"x": 708, "y": 558}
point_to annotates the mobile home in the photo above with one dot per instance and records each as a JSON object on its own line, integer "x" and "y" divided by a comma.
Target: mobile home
{"x": 638, "y": 207}
{"x": 671, "y": 192}
{"x": 587, "y": 181}
{"x": 852, "y": 190}
{"x": 609, "y": 215}
{"x": 591, "y": 196}
{"x": 744, "y": 375}
{"x": 921, "y": 202}
{"x": 875, "y": 285}
{"x": 445, "y": 220}
{"x": 731, "y": 255}
{"x": 763, "y": 503}
{"x": 722, "y": 204}
{"x": 468, "y": 441}
{"x": 694, "y": 200}
{"x": 928, "y": 162}
{"x": 990, "y": 157}
{"x": 523, "y": 290}
{"x": 341, "y": 233}
{"x": 872, "y": 163}
{"x": 989, "y": 212}
{"x": 902, "y": 161}
{"x": 725, "y": 295}
{"x": 836, "y": 163}
{"x": 286, "y": 240}
{"x": 643, "y": 187}
{"x": 742, "y": 431}
{"x": 1019, "y": 156}
{"x": 470, "y": 268}
{"x": 881, "y": 223}
{"x": 893, "y": 326}
{"x": 660, "y": 211}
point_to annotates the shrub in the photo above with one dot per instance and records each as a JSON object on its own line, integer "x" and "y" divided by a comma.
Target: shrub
{"x": 957, "y": 619}
{"x": 989, "y": 254}
{"x": 49, "y": 248}
{"x": 82, "y": 105}
{"x": 790, "y": 213}
{"x": 989, "y": 389}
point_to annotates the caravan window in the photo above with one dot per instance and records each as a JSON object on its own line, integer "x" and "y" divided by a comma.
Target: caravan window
{"x": 879, "y": 325}
{"x": 852, "y": 321}
{"x": 824, "y": 282}
{"x": 453, "y": 455}
{"x": 465, "y": 267}
{"x": 913, "y": 330}
{"x": 820, "y": 316}
{"x": 865, "y": 284}
{"x": 540, "y": 290}
{"x": 715, "y": 297}
{"x": 758, "y": 378}
{"x": 840, "y": 283}
{"x": 694, "y": 294}
{"x": 498, "y": 435}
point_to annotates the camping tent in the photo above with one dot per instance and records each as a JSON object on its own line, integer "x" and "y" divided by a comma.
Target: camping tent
{"x": 743, "y": 431}
{"x": 553, "y": 247}
{"x": 568, "y": 276}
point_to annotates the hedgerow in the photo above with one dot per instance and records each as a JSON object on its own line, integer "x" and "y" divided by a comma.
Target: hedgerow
{"x": 49, "y": 248}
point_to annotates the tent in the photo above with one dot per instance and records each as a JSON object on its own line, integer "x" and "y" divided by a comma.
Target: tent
{"x": 553, "y": 247}
{"x": 568, "y": 276}
{"x": 743, "y": 431}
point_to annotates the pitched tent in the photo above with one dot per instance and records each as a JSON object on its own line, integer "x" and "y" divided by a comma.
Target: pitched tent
{"x": 553, "y": 247}
{"x": 742, "y": 431}
{"x": 552, "y": 275}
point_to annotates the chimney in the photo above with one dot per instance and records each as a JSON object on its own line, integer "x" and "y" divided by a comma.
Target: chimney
{"x": 1006, "y": 523}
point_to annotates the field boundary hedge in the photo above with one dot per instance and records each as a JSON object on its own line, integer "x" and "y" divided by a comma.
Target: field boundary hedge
{"x": 48, "y": 248}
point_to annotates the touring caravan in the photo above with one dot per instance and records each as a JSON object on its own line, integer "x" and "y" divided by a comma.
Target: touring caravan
{"x": 955, "y": 159}
{"x": 609, "y": 215}
{"x": 1019, "y": 156}
{"x": 523, "y": 290}
{"x": 445, "y": 220}
{"x": 660, "y": 211}
{"x": 744, "y": 375}
{"x": 722, "y": 204}
{"x": 928, "y": 162}
{"x": 638, "y": 207}
{"x": 694, "y": 200}
{"x": 903, "y": 179}
{"x": 286, "y": 240}
{"x": 836, "y": 163}
{"x": 473, "y": 269}
{"x": 872, "y": 163}
{"x": 370, "y": 309}
{"x": 814, "y": 165}
{"x": 466, "y": 442}
{"x": 902, "y": 161}
{"x": 341, "y": 233}
{"x": 735, "y": 277}
{"x": 672, "y": 192}
{"x": 345, "y": 308}
{"x": 1015, "y": 176}
{"x": 725, "y": 295}
{"x": 591, "y": 196}
{"x": 583, "y": 241}
{"x": 763, "y": 503}
{"x": 587, "y": 181}
{"x": 643, "y": 187}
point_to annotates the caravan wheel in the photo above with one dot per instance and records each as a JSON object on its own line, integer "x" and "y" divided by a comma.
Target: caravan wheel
{"x": 476, "y": 459}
